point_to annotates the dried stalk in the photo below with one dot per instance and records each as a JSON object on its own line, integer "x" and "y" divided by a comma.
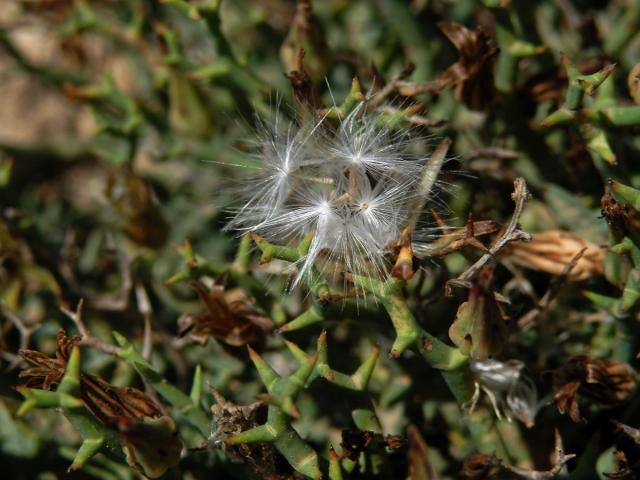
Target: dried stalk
{"x": 513, "y": 233}
{"x": 390, "y": 87}
{"x": 24, "y": 331}
{"x": 428, "y": 180}
{"x": 559, "y": 467}
{"x": 87, "y": 338}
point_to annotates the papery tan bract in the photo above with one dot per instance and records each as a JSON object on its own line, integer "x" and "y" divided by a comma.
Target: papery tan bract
{"x": 553, "y": 250}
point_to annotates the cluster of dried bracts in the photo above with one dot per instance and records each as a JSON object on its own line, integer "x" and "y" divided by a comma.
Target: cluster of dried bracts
{"x": 146, "y": 435}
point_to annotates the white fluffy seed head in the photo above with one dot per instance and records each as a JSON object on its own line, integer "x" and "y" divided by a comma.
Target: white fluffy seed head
{"x": 353, "y": 186}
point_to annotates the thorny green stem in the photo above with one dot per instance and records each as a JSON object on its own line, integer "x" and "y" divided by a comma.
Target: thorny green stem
{"x": 591, "y": 119}
{"x": 318, "y": 287}
{"x": 507, "y": 64}
{"x": 363, "y": 414}
{"x": 271, "y": 251}
{"x": 286, "y": 440}
{"x": 184, "y": 405}
{"x": 410, "y": 335}
{"x": 243, "y": 256}
{"x": 625, "y": 29}
{"x": 283, "y": 392}
{"x": 511, "y": 33}
{"x": 616, "y": 116}
{"x": 196, "y": 266}
{"x": 278, "y": 429}
{"x": 449, "y": 360}
{"x": 314, "y": 314}
{"x": 579, "y": 86}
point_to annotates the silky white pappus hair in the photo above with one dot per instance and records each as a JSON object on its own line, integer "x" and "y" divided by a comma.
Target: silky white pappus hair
{"x": 355, "y": 184}
{"x": 512, "y": 393}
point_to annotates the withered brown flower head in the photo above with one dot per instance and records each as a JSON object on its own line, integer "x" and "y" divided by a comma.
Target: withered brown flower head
{"x": 607, "y": 382}
{"x": 107, "y": 403}
{"x": 229, "y": 419}
{"x": 148, "y": 438}
{"x": 47, "y": 372}
{"x": 234, "y": 322}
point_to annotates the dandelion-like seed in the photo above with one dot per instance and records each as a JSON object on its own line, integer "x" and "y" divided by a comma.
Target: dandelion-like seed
{"x": 353, "y": 186}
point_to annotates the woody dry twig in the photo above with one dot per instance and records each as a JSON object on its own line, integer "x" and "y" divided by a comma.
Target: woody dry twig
{"x": 87, "y": 338}
{"x": 512, "y": 233}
